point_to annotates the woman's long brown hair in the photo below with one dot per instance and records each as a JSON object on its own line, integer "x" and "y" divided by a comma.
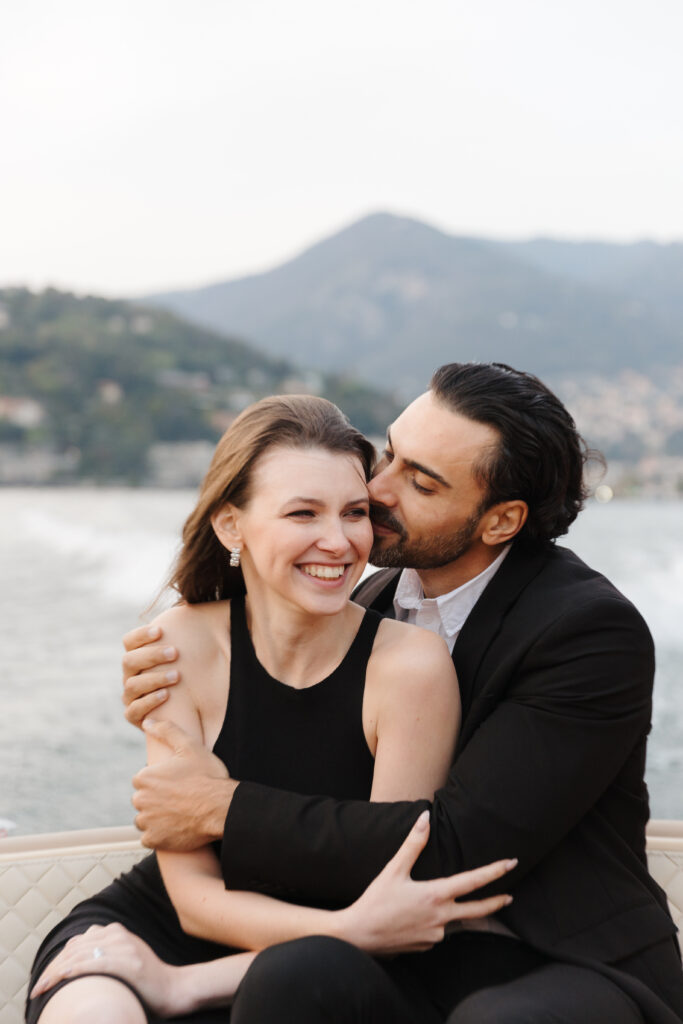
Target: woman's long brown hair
{"x": 202, "y": 572}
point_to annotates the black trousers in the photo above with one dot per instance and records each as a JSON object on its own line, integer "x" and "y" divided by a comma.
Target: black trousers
{"x": 472, "y": 978}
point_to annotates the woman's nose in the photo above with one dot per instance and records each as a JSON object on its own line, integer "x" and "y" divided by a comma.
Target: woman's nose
{"x": 334, "y": 538}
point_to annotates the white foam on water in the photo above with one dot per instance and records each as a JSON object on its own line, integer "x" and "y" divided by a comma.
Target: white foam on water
{"x": 110, "y": 551}
{"x": 639, "y": 547}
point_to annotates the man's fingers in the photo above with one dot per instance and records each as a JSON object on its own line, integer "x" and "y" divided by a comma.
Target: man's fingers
{"x": 151, "y": 656}
{"x": 146, "y": 836}
{"x": 141, "y": 707}
{"x": 468, "y": 881}
{"x": 412, "y": 846}
{"x": 170, "y": 734}
{"x": 140, "y": 636}
{"x": 147, "y": 682}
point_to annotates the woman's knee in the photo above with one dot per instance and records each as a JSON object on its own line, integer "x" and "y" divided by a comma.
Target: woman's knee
{"x": 93, "y": 998}
{"x": 316, "y": 956}
{"x": 300, "y": 975}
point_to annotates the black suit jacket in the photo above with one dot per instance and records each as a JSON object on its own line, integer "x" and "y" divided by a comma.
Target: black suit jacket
{"x": 555, "y": 668}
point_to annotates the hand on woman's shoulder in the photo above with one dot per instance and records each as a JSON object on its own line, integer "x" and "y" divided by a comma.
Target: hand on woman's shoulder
{"x": 201, "y": 635}
{"x": 199, "y": 632}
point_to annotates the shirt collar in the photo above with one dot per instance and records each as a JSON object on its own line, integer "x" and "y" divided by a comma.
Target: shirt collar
{"x": 456, "y": 605}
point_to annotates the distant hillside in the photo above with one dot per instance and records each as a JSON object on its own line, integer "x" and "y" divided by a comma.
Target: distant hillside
{"x": 648, "y": 274}
{"x": 393, "y": 298}
{"x": 103, "y": 380}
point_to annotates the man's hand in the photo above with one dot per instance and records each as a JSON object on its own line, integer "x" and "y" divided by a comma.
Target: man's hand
{"x": 398, "y": 915}
{"x": 182, "y": 802}
{"x": 146, "y": 674}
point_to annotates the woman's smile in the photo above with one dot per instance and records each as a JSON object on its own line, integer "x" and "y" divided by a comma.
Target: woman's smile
{"x": 323, "y": 573}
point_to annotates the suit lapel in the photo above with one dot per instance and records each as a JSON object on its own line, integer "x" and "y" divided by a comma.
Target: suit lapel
{"x": 520, "y": 566}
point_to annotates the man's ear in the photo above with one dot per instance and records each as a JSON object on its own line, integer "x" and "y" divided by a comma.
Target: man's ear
{"x": 225, "y": 524}
{"x": 503, "y": 521}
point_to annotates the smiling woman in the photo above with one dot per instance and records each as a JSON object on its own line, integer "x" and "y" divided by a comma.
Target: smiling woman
{"x": 296, "y": 423}
{"x": 290, "y": 684}
{"x": 307, "y": 545}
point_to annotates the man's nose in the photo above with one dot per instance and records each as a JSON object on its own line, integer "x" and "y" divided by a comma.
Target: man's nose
{"x": 380, "y": 490}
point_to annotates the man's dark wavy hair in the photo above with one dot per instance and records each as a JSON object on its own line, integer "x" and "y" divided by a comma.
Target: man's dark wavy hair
{"x": 541, "y": 456}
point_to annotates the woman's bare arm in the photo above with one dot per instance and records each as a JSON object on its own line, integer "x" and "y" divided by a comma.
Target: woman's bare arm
{"x": 395, "y": 914}
{"x": 193, "y": 880}
{"x": 415, "y": 700}
{"x": 416, "y": 707}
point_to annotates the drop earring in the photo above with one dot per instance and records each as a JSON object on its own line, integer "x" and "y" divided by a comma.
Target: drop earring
{"x": 235, "y": 557}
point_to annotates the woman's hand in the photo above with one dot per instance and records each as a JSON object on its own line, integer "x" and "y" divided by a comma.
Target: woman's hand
{"x": 167, "y": 990}
{"x": 112, "y": 949}
{"x": 398, "y": 915}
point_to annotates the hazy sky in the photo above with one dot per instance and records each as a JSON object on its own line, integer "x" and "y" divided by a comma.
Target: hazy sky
{"x": 151, "y": 143}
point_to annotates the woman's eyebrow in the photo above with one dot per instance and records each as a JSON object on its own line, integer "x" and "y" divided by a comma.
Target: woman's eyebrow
{"x": 305, "y": 501}
{"x": 319, "y": 503}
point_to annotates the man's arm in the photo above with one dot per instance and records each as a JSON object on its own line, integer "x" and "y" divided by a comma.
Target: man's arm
{"x": 182, "y": 801}
{"x": 538, "y": 763}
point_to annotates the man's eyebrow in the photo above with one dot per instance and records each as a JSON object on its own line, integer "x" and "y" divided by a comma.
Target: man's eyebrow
{"x": 420, "y": 468}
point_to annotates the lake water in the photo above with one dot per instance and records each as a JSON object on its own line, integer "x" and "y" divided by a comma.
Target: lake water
{"x": 79, "y": 565}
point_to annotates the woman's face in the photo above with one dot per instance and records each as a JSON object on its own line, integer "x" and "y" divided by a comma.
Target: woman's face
{"x": 305, "y": 532}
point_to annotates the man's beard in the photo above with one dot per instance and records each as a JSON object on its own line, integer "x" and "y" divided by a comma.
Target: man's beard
{"x": 427, "y": 553}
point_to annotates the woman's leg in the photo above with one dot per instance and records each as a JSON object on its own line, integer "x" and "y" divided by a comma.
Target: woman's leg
{"x": 319, "y": 979}
{"x": 93, "y": 998}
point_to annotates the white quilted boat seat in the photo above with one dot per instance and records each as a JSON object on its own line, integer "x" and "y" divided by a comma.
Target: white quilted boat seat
{"x": 43, "y": 877}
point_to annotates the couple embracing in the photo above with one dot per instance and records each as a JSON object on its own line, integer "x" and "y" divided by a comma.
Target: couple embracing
{"x": 431, "y": 824}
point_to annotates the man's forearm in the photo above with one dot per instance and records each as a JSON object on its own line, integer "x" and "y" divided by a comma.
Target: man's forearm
{"x": 182, "y": 828}
{"x": 216, "y": 807}
{"x": 327, "y": 851}
{"x": 182, "y": 802}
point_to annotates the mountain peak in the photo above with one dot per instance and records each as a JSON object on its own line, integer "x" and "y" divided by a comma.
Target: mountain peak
{"x": 390, "y": 297}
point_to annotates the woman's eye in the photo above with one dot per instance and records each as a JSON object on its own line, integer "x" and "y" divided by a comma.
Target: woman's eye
{"x": 301, "y": 513}
{"x": 387, "y": 456}
{"x": 358, "y": 513}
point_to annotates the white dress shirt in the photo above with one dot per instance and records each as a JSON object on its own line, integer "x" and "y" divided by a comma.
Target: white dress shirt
{"x": 445, "y": 614}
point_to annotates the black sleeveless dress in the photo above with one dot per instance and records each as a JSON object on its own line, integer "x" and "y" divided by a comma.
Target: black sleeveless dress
{"x": 307, "y": 740}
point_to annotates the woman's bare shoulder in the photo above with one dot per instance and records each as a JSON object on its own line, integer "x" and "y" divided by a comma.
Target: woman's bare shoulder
{"x": 195, "y": 628}
{"x": 409, "y": 656}
{"x": 411, "y": 676}
{"x": 402, "y": 639}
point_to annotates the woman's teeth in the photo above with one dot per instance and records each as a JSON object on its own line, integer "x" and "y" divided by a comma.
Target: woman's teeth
{"x": 324, "y": 572}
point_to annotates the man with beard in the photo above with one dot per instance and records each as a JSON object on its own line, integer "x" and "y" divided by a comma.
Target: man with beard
{"x": 479, "y": 477}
